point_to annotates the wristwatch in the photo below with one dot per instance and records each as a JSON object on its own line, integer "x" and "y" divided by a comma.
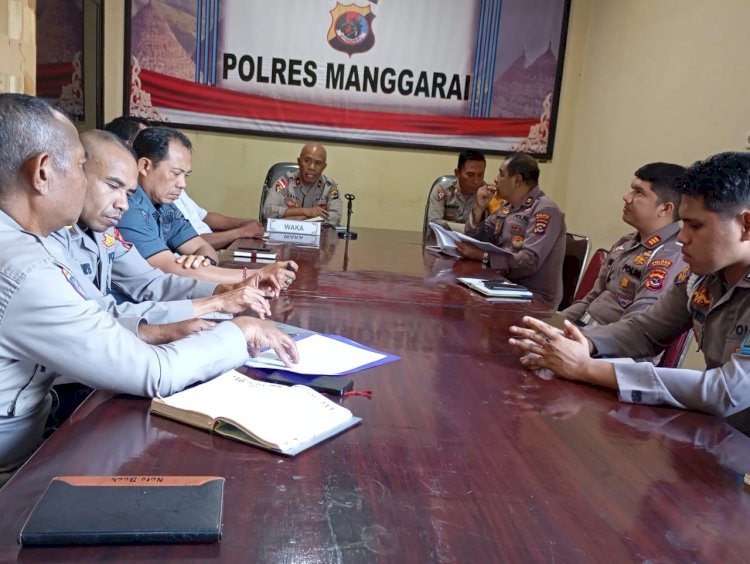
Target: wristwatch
{"x": 486, "y": 258}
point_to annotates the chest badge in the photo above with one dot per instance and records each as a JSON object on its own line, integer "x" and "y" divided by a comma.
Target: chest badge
{"x": 642, "y": 259}
{"x": 108, "y": 240}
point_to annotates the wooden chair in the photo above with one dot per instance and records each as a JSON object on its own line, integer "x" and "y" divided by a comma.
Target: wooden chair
{"x": 577, "y": 249}
{"x": 274, "y": 173}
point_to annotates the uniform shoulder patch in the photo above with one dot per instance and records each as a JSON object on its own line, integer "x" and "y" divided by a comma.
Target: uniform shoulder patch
{"x": 334, "y": 193}
{"x": 73, "y": 281}
{"x": 281, "y": 183}
{"x": 655, "y": 279}
{"x": 653, "y": 241}
{"x": 541, "y": 220}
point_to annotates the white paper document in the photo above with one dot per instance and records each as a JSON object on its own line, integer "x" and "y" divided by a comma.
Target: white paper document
{"x": 446, "y": 242}
{"x": 319, "y": 355}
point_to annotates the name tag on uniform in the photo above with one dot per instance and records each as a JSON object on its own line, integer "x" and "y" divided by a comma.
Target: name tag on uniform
{"x": 279, "y": 225}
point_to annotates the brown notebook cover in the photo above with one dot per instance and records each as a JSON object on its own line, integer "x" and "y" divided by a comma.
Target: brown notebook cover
{"x": 88, "y": 510}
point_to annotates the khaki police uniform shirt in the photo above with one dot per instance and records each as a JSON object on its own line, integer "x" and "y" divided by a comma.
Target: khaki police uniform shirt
{"x": 109, "y": 261}
{"x": 50, "y": 325}
{"x": 289, "y": 192}
{"x": 720, "y": 318}
{"x": 634, "y": 274}
{"x": 534, "y": 233}
{"x": 448, "y": 203}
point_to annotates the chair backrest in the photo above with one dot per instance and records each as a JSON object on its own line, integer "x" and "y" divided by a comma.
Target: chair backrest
{"x": 274, "y": 173}
{"x": 590, "y": 274}
{"x": 576, "y": 254}
{"x": 425, "y": 233}
{"x": 675, "y": 353}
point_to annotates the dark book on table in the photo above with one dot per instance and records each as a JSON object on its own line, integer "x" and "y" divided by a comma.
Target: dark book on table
{"x": 97, "y": 510}
{"x": 498, "y": 288}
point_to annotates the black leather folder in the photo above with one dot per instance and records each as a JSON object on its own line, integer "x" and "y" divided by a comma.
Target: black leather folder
{"x": 89, "y": 510}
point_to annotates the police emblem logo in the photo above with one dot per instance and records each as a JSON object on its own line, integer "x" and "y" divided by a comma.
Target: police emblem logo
{"x": 351, "y": 29}
{"x": 73, "y": 282}
{"x": 642, "y": 259}
{"x": 652, "y": 241}
{"x": 281, "y": 183}
{"x": 683, "y": 275}
{"x": 122, "y": 240}
{"x": 540, "y": 223}
{"x": 108, "y": 240}
{"x": 334, "y": 194}
{"x": 517, "y": 241}
{"x": 701, "y": 297}
{"x": 655, "y": 279}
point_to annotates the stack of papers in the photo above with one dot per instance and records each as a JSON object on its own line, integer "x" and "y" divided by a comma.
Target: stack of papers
{"x": 324, "y": 355}
{"x": 446, "y": 242}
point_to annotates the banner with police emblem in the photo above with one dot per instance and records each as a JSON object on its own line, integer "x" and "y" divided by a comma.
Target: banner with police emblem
{"x": 431, "y": 73}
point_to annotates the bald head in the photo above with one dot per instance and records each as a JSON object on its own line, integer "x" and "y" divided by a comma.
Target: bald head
{"x": 111, "y": 175}
{"x": 312, "y": 163}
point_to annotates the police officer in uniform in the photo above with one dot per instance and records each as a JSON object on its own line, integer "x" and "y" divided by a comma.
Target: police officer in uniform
{"x": 714, "y": 301}
{"x": 105, "y": 258}
{"x": 641, "y": 265}
{"x": 452, "y": 200}
{"x": 49, "y": 326}
{"x": 529, "y": 226}
{"x": 306, "y": 193}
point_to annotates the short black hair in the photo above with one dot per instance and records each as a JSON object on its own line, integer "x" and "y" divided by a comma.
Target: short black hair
{"x": 28, "y": 126}
{"x": 153, "y": 143}
{"x": 470, "y": 155}
{"x": 126, "y": 128}
{"x": 525, "y": 165}
{"x": 723, "y": 181}
{"x": 99, "y": 136}
{"x": 664, "y": 179}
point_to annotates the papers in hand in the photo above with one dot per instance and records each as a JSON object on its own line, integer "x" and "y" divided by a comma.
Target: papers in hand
{"x": 499, "y": 289}
{"x": 324, "y": 356}
{"x": 446, "y": 242}
{"x": 280, "y": 418}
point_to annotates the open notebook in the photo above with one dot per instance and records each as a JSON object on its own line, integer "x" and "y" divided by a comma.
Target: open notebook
{"x": 284, "y": 419}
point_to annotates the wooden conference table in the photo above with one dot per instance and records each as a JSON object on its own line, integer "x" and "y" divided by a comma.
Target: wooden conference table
{"x": 462, "y": 455}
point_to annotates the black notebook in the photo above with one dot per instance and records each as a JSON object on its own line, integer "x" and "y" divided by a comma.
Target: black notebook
{"x": 88, "y": 510}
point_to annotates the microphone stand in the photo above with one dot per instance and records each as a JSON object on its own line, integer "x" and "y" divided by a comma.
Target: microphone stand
{"x": 348, "y": 234}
